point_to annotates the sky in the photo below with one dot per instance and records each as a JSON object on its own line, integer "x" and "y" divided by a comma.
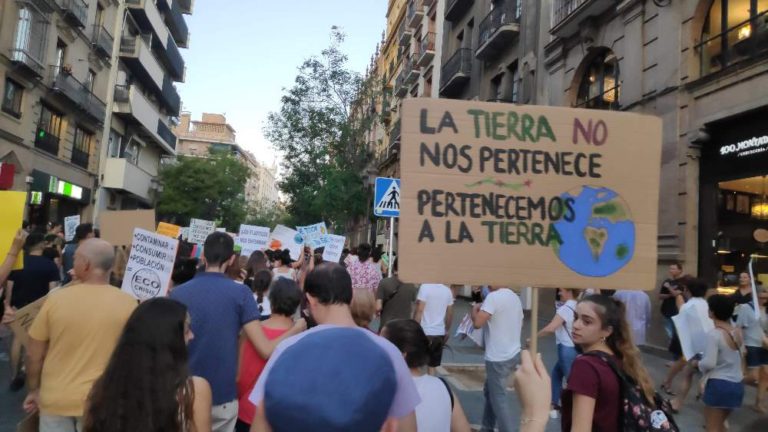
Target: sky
{"x": 242, "y": 53}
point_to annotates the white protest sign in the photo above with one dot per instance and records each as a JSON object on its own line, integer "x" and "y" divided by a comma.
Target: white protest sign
{"x": 150, "y": 265}
{"x": 200, "y": 229}
{"x": 185, "y": 233}
{"x": 70, "y": 225}
{"x": 314, "y": 235}
{"x": 692, "y": 329}
{"x": 221, "y": 230}
{"x": 334, "y": 248}
{"x": 252, "y": 238}
{"x": 285, "y": 238}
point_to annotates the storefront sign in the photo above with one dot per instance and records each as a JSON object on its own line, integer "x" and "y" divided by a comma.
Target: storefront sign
{"x": 6, "y": 175}
{"x": 150, "y": 265}
{"x": 35, "y": 198}
{"x": 747, "y": 147}
{"x": 46, "y": 183}
{"x": 514, "y": 195}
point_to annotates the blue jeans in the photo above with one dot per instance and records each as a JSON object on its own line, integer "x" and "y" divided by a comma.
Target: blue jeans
{"x": 498, "y": 407}
{"x": 565, "y": 357}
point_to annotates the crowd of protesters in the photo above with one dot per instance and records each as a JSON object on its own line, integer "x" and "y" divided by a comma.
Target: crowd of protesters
{"x": 269, "y": 342}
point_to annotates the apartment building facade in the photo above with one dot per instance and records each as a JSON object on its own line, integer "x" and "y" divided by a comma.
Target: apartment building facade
{"x": 702, "y": 67}
{"x": 198, "y": 138}
{"x": 55, "y": 63}
{"x": 144, "y": 102}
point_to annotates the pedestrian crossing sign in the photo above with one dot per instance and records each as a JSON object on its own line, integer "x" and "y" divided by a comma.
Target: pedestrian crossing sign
{"x": 386, "y": 201}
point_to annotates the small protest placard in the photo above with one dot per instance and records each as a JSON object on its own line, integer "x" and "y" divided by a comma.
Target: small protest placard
{"x": 23, "y": 319}
{"x": 117, "y": 226}
{"x": 150, "y": 265}
{"x": 334, "y": 247}
{"x": 70, "y": 225}
{"x": 314, "y": 235}
{"x": 252, "y": 238}
{"x": 200, "y": 229}
{"x": 11, "y": 218}
{"x": 168, "y": 230}
{"x": 285, "y": 238}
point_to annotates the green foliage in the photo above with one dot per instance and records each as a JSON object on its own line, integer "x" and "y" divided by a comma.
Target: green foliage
{"x": 210, "y": 188}
{"x": 320, "y": 130}
{"x": 268, "y": 216}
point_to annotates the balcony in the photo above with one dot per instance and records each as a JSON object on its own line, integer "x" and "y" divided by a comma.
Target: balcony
{"x": 133, "y": 106}
{"x": 175, "y": 21}
{"x": 75, "y": 12}
{"x": 62, "y": 82}
{"x": 46, "y": 142}
{"x": 415, "y": 14}
{"x": 80, "y": 158}
{"x": 498, "y": 30}
{"x": 427, "y": 49}
{"x": 394, "y": 133}
{"x": 186, "y": 6}
{"x": 456, "y": 71}
{"x": 404, "y": 35}
{"x": 412, "y": 72}
{"x": 25, "y": 61}
{"x": 744, "y": 41}
{"x": 456, "y": 9}
{"x": 120, "y": 174}
{"x": 149, "y": 20}
{"x": 401, "y": 89}
{"x": 102, "y": 42}
{"x": 173, "y": 60}
{"x": 170, "y": 97}
{"x": 567, "y": 15}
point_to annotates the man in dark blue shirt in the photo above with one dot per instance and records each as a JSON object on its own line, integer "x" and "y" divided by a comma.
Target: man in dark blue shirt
{"x": 26, "y": 286}
{"x": 219, "y": 308}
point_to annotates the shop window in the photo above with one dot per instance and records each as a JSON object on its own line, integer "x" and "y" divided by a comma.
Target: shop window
{"x": 81, "y": 148}
{"x": 734, "y": 30}
{"x": 12, "y": 98}
{"x": 599, "y": 85}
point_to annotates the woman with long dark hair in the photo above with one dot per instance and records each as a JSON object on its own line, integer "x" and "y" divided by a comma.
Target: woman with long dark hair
{"x": 146, "y": 385}
{"x": 602, "y": 332}
{"x": 283, "y": 266}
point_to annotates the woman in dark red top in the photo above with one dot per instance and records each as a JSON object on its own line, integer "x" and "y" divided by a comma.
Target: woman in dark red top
{"x": 284, "y": 297}
{"x": 592, "y": 400}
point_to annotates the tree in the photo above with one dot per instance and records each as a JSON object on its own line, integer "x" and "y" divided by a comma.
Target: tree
{"x": 211, "y": 188}
{"x": 268, "y": 216}
{"x": 319, "y": 130}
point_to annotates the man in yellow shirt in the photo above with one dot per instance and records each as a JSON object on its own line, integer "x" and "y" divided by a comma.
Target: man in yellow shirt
{"x": 72, "y": 339}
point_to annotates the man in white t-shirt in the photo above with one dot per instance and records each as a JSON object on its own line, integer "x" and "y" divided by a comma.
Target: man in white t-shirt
{"x": 434, "y": 311}
{"x": 501, "y": 318}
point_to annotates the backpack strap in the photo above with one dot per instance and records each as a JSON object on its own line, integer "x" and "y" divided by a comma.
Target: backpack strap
{"x": 447, "y": 387}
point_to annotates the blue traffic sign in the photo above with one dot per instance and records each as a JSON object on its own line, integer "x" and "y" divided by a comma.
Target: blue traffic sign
{"x": 386, "y": 200}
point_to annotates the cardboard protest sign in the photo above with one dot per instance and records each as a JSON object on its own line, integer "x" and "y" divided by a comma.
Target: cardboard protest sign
{"x": 528, "y": 195}
{"x": 285, "y": 238}
{"x": 334, "y": 247}
{"x": 168, "y": 230}
{"x": 70, "y": 225}
{"x": 150, "y": 265}
{"x": 117, "y": 226}
{"x": 314, "y": 235}
{"x": 11, "y": 219}
{"x": 200, "y": 229}
{"x": 23, "y": 319}
{"x": 252, "y": 238}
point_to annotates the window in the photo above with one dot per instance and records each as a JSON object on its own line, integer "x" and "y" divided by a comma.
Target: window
{"x": 115, "y": 142}
{"x": 733, "y": 30}
{"x": 81, "y": 148}
{"x": 30, "y": 37}
{"x": 518, "y": 8}
{"x": 61, "y": 54}
{"x": 50, "y": 122}
{"x": 514, "y": 75}
{"x": 131, "y": 153}
{"x": 90, "y": 80}
{"x": 99, "y": 21}
{"x": 599, "y": 87}
{"x": 496, "y": 94}
{"x": 12, "y": 98}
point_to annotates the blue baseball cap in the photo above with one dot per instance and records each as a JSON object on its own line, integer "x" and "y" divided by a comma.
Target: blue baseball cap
{"x": 336, "y": 379}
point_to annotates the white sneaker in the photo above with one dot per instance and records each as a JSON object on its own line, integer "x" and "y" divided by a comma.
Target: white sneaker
{"x": 554, "y": 414}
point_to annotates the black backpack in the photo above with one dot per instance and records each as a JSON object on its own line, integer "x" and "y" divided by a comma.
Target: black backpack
{"x": 637, "y": 413}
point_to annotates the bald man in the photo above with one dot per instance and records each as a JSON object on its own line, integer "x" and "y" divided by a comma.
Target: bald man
{"x": 73, "y": 337}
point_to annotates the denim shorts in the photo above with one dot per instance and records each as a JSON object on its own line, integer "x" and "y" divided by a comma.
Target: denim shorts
{"x": 757, "y": 356}
{"x": 723, "y": 394}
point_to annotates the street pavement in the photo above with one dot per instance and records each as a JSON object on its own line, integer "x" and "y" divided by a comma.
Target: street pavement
{"x": 463, "y": 368}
